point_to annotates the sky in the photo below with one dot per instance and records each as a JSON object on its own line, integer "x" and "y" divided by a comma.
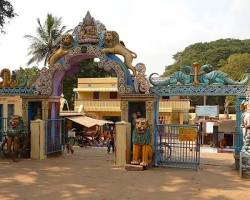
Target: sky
{"x": 154, "y": 29}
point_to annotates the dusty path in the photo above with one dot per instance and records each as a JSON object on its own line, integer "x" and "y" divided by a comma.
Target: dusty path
{"x": 89, "y": 174}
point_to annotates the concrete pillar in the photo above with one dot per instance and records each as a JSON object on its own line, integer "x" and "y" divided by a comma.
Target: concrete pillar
{"x": 122, "y": 143}
{"x": 37, "y": 140}
{"x": 181, "y": 117}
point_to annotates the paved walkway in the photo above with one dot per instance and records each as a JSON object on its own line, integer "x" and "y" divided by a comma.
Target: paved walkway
{"x": 89, "y": 174}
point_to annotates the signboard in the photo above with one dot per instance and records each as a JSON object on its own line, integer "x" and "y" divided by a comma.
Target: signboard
{"x": 209, "y": 111}
{"x": 187, "y": 134}
{"x": 209, "y": 127}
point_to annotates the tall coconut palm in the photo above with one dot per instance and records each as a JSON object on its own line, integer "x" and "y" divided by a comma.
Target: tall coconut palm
{"x": 47, "y": 39}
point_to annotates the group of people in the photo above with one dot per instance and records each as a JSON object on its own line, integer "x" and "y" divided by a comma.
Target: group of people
{"x": 109, "y": 137}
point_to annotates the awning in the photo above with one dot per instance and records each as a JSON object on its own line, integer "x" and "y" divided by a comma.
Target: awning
{"x": 96, "y": 89}
{"x": 65, "y": 113}
{"x": 88, "y": 121}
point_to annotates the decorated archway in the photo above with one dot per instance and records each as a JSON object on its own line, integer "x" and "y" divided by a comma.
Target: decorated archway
{"x": 90, "y": 39}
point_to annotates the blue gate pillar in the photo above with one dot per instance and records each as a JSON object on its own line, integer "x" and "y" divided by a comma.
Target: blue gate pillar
{"x": 238, "y": 134}
{"x": 156, "y": 117}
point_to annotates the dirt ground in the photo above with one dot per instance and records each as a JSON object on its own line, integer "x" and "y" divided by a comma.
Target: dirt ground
{"x": 90, "y": 174}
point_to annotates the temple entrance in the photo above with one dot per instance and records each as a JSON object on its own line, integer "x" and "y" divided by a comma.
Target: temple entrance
{"x": 197, "y": 84}
{"x": 90, "y": 40}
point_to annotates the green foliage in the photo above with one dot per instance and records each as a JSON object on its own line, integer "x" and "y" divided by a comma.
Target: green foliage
{"x": 88, "y": 69}
{"x": 6, "y": 12}
{"x": 231, "y": 56}
{"x": 47, "y": 39}
{"x": 29, "y": 74}
{"x": 215, "y": 53}
{"x": 237, "y": 65}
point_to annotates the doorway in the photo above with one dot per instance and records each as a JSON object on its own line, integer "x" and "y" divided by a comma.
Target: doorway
{"x": 34, "y": 110}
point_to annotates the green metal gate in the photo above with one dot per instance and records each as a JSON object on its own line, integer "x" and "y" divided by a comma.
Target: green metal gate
{"x": 54, "y": 135}
{"x": 177, "y": 146}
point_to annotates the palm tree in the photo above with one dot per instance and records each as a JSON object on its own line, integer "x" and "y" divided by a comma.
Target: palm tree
{"x": 48, "y": 38}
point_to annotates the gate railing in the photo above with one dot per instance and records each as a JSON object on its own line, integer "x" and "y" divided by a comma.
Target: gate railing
{"x": 3, "y": 127}
{"x": 54, "y": 135}
{"x": 175, "y": 150}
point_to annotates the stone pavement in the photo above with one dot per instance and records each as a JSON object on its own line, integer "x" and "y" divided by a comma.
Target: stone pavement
{"x": 90, "y": 174}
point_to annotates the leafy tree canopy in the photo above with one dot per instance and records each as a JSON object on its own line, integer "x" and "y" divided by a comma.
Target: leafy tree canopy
{"x": 215, "y": 53}
{"x": 6, "y": 12}
{"x": 237, "y": 66}
{"x": 229, "y": 55}
{"x": 47, "y": 39}
{"x": 29, "y": 74}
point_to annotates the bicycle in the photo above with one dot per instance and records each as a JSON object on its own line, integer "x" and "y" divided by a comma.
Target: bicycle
{"x": 165, "y": 151}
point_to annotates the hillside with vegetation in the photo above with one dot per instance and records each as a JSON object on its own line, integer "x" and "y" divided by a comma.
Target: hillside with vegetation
{"x": 220, "y": 53}
{"x": 231, "y": 56}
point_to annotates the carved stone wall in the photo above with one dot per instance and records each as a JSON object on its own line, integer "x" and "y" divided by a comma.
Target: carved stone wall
{"x": 44, "y": 83}
{"x": 25, "y": 110}
{"x": 45, "y": 109}
{"x": 124, "y": 110}
{"x": 149, "y": 112}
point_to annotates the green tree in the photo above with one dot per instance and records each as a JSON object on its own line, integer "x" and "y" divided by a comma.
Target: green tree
{"x": 225, "y": 54}
{"x": 215, "y": 53}
{"x": 28, "y": 75}
{"x": 237, "y": 66}
{"x": 6, "y": 12}
{"x": 47, "y": 39}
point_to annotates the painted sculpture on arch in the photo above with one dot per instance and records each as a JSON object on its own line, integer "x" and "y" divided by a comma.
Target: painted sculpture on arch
{"x": 8, "y": 79}
{"x": 141, "y": 139}
{"x": 88, "y": 31}
{"x": 66, "y": 43}
{"x": 90, "y": 39}
{"x": 113, "y": 45}
{"x": 197, "y": 75}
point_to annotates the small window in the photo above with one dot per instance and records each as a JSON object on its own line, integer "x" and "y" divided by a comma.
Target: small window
{"x": 165, "y": 97}
{"x": 113, "y": 95}
{"x": 96, "y": 95}
{"x": 10, "y": 110}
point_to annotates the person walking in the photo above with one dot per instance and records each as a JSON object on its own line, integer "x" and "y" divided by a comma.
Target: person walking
{"x": 111, "y": 141}
{"x": 70, "y": 135}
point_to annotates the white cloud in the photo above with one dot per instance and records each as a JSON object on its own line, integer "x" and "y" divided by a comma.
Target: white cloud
{"x": 155, "y": 30}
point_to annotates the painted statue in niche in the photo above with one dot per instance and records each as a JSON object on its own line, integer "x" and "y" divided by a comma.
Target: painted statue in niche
{"x": 88, "y": 31}
{"x": 65, "y": 45}
{"x": 141, "y": 139}
{"x": 113, "y": 45}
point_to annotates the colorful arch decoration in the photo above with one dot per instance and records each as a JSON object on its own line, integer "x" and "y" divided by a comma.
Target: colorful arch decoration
{"x": 88, "y": 41}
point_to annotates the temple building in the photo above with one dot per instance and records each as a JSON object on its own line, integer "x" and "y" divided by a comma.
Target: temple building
{"x": 99, "y": 97}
